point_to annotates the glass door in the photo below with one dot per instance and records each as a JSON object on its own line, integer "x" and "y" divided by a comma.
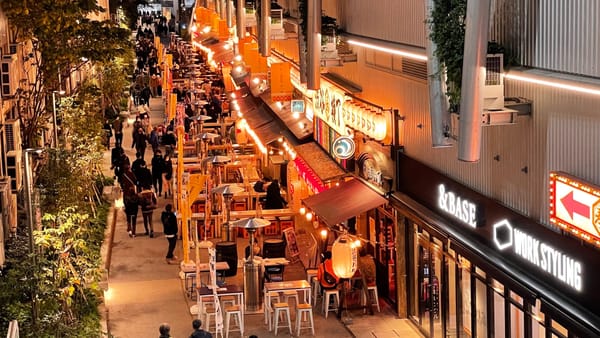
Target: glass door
{"x": 429, "y": 275}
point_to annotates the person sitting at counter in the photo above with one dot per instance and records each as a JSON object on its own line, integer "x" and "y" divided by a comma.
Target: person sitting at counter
{"x": 274, "y": 200}
{"x": 325, "y": 274}
{"x": 261, "y": 185}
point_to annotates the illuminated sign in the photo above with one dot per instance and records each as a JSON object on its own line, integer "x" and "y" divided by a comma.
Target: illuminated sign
{"x": 555, "y": 263}
{"x": 343, "y": 147}
{"x": 575, "y": 206}
{"x": 297, "y": 106}
{"x": 457, "y": 206}
{"x": 327, "y": 105}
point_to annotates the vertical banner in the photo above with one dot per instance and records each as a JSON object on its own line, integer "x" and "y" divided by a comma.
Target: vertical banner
{"x": 281, "y": 84}
{"x": 172, "y": 106}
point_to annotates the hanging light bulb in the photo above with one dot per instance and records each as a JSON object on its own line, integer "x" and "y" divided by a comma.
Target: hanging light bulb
{"x": 309, "y": 216}
{"x": 302, "y": 210}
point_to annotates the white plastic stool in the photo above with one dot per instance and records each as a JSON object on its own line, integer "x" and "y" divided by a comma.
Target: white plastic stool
{"x": 282, "y": 308}
{"x": 304, "y": 309}
{"x": 316, "y": 289}
{"x": 274, "y": 298}
{"x": 208, "y": 313}
{"x": 227, "y": 301}
{"x": 237, "y": 312}
{"x": 374, "y": 300}
{"x": 336, "y": 300}
{"x": 290, "y": 294}
{"x": 310, "y": 273}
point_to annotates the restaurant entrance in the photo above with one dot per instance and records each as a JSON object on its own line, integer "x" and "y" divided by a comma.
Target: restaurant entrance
{"x": 382, "y": 231}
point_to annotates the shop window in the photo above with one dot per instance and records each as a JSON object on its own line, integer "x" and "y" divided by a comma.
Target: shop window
{"x": 481, "y": 307}
{"x": 515, "y": 298}
{"x": 479, "y": 272}
{"x": 517, "y": 322}
{"x": 499, "y": 320}
{"x": 466, "y": 295}
{"x": 559, "y": 329}
{"x": 451, "y": 327}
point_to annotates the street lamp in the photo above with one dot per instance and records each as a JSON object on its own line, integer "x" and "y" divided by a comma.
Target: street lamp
{"x": 31, "y": 217}
{"x": 55, "y": 129}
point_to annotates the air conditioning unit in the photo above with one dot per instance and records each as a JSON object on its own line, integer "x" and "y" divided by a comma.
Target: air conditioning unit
{"x": 8, "y": 77}
{"x": 12, "y": 129}
{"x": 13, "y": 48}
{"x": 6, "y": 201}
{"x": 493, "y": 88}
{"x": 14, "y": 170}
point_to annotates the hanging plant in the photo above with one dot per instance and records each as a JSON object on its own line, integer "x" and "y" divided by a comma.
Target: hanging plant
{"x": 447, "y": 25}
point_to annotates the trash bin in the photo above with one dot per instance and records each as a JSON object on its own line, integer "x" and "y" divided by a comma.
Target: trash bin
{"x": 251, "y": 286}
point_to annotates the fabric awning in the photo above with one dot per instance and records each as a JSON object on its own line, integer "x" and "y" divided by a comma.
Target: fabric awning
{"x": 260, "y": 120}
{"x": 319, "y": 162}
{"x": 345, "y": 201}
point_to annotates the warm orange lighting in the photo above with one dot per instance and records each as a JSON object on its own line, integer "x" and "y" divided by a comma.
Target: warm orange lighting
{"x": 324, "y": 234}
{"x": 309, "y": 216}
{"x": 302, "y": 210}
{"x": 410, "y": 55}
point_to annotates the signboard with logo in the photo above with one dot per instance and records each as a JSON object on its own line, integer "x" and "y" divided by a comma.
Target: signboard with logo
{"x": 327, "y": 105}
{"x": 530, "y": 253}
{"x": 575, "y": 206}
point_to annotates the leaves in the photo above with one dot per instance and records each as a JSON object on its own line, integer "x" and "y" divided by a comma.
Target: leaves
{"x": 447, "y": 23}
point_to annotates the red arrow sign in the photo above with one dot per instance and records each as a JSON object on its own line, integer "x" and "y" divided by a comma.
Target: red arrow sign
{"x": 573, "y": 206}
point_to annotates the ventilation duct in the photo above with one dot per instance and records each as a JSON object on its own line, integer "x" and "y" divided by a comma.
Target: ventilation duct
{"x": 474, "y": 61}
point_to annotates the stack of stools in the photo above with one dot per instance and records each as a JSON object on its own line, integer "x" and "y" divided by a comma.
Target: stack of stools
{"x": 236, "y": 311}
{"x": 282, "y": 309}
{"x": 302, "y": 309}
{"x": 366, "y": 297}
{"x": 326, "y": 299}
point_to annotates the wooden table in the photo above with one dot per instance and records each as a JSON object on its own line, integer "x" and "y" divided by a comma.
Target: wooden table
{"x": 227, "y": 290}
{"x": 292, "y": 285}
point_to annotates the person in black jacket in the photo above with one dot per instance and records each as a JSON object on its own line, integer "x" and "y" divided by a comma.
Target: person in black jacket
{"x": 158, "y": 168}
{"x": 139, "y": 141}
{"x": 144, "y": 178}
{"x": 273, "y": 199}
{"x": 198, "y": 332}
{"x": 169, "y": 221}
{"x": 148, "y": 203}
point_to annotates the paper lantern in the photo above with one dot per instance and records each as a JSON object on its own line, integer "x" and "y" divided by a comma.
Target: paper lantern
{"x": 380, "y": 126}
{"x": 344, "y": 257}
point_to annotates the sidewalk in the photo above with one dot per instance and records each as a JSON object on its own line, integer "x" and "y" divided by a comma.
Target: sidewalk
{"x": 145, "y": 291}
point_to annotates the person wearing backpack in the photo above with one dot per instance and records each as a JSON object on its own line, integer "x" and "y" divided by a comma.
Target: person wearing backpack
{"x": 325, "y": 274}
{"x": 148, "y": 204}
{"x": 169, "y": 221}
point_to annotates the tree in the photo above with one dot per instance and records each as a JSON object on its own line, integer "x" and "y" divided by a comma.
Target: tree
{"x": 63, "y": 37}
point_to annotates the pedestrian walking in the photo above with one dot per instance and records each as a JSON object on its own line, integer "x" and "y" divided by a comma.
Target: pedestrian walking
{"x": 169, "y": 221}
{"x": 139, "y": 141}
{"x": 198, "y": 332}
{"x": 144, "y": 178}
{"x": 118, "y": 130}
{"x": 131, "y": 202}
{"x": 165, "y": 330}
{"x": 148, "y": 204}
{"x": 153, "y": 140}
{"x": 158, "y": 168}
{"x": 107, "y": 134}
{"x": 168, "y": 176}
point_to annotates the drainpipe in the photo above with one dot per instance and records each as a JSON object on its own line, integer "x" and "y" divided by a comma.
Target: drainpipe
{"x": 471, "y": 103}
{"x": 438, "y": 102}
{"x": 228, "y": 13}
{"x": 265, "y": 28}
{"x": 313, "y": 35}
{"x": 240, "y": 19}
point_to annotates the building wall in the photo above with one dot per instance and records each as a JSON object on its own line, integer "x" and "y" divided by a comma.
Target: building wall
{"x": 560, "y": 134}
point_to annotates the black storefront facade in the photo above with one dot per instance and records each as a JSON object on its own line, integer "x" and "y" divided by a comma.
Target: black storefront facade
{"x": 475, "y": 268}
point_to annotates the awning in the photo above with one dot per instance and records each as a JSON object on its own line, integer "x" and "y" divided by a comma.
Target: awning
{"x": 345, "y": 201}
{"x": 324, "y": 167}
{"x": 301, "y": 127}
{"x": 258, "y": 118}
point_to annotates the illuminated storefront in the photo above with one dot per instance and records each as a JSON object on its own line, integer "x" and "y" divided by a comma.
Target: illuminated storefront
{"x": 478, "y": 269}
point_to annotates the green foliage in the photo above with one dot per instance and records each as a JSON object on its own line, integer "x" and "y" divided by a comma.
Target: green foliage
{"x": 67, "y": 276}
{"x": 62, "y": 37}
{"x": 447, "y": 25}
